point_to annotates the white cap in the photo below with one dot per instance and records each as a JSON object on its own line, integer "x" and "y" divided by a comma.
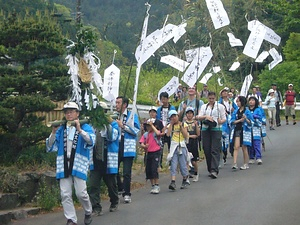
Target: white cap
{"x": 291, "y": 85}
{"x": 71, "y": 105}
{"x": 153, "y": 108}
{"x": 271, "y": 91}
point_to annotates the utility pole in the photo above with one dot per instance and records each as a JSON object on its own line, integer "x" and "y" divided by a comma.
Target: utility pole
{"x": 78, "y": 13}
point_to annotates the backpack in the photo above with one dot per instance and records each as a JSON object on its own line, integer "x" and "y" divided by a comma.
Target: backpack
{"x": 197, "y": 106}
{"x": 157, "y": 139}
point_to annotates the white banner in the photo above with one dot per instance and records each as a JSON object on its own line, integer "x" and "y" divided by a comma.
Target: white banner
{"x": 139, "y": 50}
{"x": 216, "y": 69}
{"x": 190, "y": 54}
{"x": 170, "y": 87}
{"x": 234, "y": 66}
{"x": 179, "y": 31}
{"x": 175, "y": 62}
{"x": 217, "y": 13}
{"x": 270, "y": 35}
{"x": 111, "y": 83}
{"x": 234, "y": 41}
{"x": 246, "y": 85}
{"x": 197, "y": 66}
{"x": 153, "y": 42}
{"x": 205, "y": 78}
{"x": 277, "y": 58}
{"x": 219, "y": 81}
{"x": 254, "y": 41}
{"x": 262, "y": 56}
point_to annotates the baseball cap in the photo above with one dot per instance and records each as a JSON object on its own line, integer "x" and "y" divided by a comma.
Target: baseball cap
{"x": 274, "y": 84}
{"x": 153, "y": 108}
{"x": 271, "y": 91}
{"x": 71, "y": 105}
{"x": 188, "y": 109}
{"x": 172, "y": 112}
{"x": 291, "y": 85}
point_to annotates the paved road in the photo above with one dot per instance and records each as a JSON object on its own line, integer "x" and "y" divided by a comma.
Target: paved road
{"x": 263, "y": 195}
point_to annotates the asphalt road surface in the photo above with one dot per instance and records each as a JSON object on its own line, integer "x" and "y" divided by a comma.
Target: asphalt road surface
{"x": 267, "y": 194}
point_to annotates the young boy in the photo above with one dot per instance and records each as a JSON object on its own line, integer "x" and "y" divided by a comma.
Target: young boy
{"x": 192, "y": 146}
{"x": 178, "y": 151}
{"x": 150, "y": 142}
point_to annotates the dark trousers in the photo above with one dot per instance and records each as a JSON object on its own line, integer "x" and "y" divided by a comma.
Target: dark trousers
{"x": 110, "y": 181}
{"x": 212, "y": 146}
{"x": 277, "y": 115}
{"x": 127, "y": 168}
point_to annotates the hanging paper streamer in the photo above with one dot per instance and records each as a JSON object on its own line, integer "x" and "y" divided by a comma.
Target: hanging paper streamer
{"x": 277, "y": 58}
{"x": 72, "y": 63}
{"x": 111, "y": 83}
{"x": 175, "y": 62}
{"x": 254, "y": 41}
{"x": 234, "y": 41}
{"x": 205, "y": 78}
{"x": 200, "y": 61}
{"x": 262, "y": 56}
{"x": 219, "y": 81}
{"x": 179, "y": 31}
{"x": 270, "y": 35}
{"x": 234, "y": 66}
{"x": 190, "y": 54}
{"x": 170, "y": 87}
{"x": 216, "y": 69}
{"x": 217, "y": 13}
{"x": 246, "y": 85}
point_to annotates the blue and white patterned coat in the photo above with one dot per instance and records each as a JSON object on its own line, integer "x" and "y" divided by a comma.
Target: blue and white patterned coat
{"x": 130, "y": 139}
{"x": 82, "y": 153}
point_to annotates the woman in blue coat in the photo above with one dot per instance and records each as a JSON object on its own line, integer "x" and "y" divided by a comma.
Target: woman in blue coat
{"x": 241, "y": 123}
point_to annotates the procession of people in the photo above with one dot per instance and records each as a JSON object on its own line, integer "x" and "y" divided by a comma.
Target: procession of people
{"x": 224, "y": 124}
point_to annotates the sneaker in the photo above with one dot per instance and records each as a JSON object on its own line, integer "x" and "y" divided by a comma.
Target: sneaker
{"x": 152, "y": 189}
{"x": 113, "y": 208}
{"x": 214, "y": 175}
{"x": 97, "y": 212}
{"x": 278, "y": 125}
{"x": 88, "y": 219}
{"x": 156, "y": 189}
{"x": 172, "y": 186}
{"x": 234, "y": 166}
{"x": 251, "y": 161}
{"x": 272, "y": 128}
{"x": 259, "y": 161}
{"x": 294, "y": 123}
{"x": 287, "y": 122}
{"x": 127, "y": 199}
{"x": 244, "y": 167}
{"x": 196, "y": 178}
{"x": 184, "y": 185}
{"x": 70, "y": 222}
{"x": 188, "y": 181}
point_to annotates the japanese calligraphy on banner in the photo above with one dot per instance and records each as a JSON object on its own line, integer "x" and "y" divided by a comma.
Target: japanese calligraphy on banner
{"x": 190, "y": 54}
{"x": 175, "y": 62}
{"x": 270, "y": 35}
{"x": 246, "y": 85}
{"x": 170, "y": 87}
{"x": 153, "y": 42}
{"x": 254, "y": 41}
{"x": 179, "y": 31}
{"x": 111, "y": 83}
{"x": 277, "y": 58}
{"x": 217, "y": 13}
{"x": 200, "y": 61}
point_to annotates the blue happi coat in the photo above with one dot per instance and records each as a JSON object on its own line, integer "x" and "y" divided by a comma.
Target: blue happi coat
{"x": 257, "y": 123}
{"x": 247, "y": 128}
{"x": 82, "y": 153}
{"x": 130, "y": 139}
{"x": 111, "y": 134}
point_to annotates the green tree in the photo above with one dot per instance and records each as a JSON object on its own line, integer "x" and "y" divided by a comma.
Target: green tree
{"x": 28, "y": 42}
